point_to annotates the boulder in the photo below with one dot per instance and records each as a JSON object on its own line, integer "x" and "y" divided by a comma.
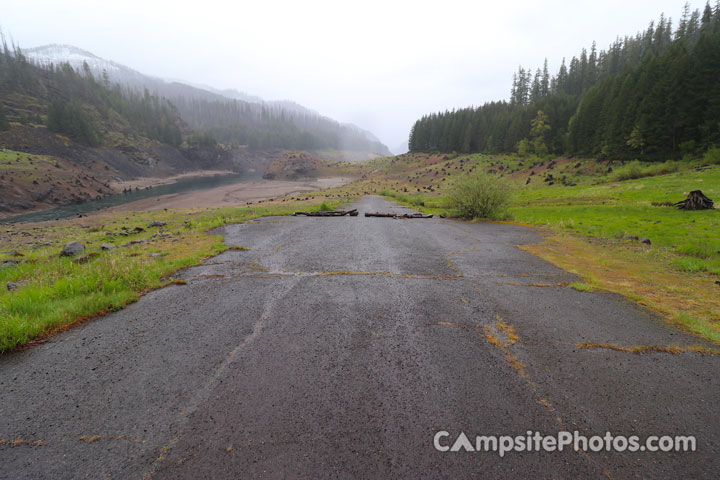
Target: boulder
{"x": 14, "y": 285}
{"x": 71, "y": 249}
{"x": 8, "y": 264}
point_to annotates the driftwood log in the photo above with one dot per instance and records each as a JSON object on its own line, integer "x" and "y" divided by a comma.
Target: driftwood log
{"x": 378, "y": 214}
{"x": 396, "y": 215}
{"x": 695, "y": 201}
{"x": 340, "y": 213}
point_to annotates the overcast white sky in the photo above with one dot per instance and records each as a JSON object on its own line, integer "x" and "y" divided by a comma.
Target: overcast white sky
{"x": 379, "y": 64}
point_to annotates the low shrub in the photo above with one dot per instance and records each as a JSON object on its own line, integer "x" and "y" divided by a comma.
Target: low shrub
{"x": 480, "y": 196}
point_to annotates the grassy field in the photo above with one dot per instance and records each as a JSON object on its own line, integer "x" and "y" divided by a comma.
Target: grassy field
{"x": 56, "y": 292}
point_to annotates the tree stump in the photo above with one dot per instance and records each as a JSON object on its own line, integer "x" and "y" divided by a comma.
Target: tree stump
{"x": 695, "y": 201}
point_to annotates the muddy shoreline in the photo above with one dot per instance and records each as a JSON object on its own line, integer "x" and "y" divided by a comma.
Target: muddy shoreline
{"x": 238, "y": 194}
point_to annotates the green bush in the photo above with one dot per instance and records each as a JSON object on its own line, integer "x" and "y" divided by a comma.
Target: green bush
{"x": 630, "y": 171}
{"x": 480, "y": 196}
{"x": 635, "y": 170}
{"x": 712, "y": 155}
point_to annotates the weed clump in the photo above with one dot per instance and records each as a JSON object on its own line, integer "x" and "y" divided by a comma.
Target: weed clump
{"x": 480, "y": 196}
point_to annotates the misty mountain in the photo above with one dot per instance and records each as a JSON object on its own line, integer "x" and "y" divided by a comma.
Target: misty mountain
{"x": 229, "y": 116}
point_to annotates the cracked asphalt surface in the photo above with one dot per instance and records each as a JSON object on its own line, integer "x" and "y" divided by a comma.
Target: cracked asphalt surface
{"x": 337, "y": 347}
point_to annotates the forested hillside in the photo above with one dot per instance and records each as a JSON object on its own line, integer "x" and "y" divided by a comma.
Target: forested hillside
{"x": 269, "y": 125}
{"x": 78, "y": 105}
{"x": 228, "y": 116}
{"x": 653, "y": 95}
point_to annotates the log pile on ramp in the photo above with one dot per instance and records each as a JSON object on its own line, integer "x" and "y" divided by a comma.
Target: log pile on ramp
{"x": 397, "y": 215}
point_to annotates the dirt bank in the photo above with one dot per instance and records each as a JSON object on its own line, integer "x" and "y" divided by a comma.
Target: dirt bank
{"x": 145, "y": 182}
{"x": 232, "y": 195}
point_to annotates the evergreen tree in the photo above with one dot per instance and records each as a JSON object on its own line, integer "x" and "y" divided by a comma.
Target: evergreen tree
{"x": 4, "y": 124}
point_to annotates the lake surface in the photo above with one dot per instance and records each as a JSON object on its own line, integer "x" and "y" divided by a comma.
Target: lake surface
{"x": 189, "y": 184}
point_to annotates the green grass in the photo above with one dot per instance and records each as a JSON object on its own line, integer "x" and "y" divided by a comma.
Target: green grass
{"x": 11, "y": 160}
{"x": 619, "y": 209}
{"x": 582, "y": 287}
{"x": 58, "y": 292}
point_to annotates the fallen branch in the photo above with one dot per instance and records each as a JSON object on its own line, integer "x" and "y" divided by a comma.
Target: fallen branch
{"x": 340, "y": 213}
{"x": 397, "y": 215}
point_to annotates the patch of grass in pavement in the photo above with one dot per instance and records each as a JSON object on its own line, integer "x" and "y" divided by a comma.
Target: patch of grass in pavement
{"x": 581, "y": 287}
{"x": 56, "y": 292}
{"x": 641, "y": 274}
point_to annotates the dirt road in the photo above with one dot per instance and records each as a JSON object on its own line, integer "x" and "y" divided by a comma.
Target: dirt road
{"x": 339, "y": 347}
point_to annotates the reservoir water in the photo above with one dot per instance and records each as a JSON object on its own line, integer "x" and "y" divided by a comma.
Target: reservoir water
{"x": 184, "y": 185}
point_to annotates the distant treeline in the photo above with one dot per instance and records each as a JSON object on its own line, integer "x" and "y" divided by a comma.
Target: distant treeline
{"x": 81, "y": 106}
{"x": 652, "y": 95}
{"x": 262, "y": 126}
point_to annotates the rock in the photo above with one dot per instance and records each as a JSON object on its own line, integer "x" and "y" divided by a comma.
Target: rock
{"x": 8, "y": 264}
{"x": 138, "y": 230}
{"x": 106, "y": 246}
{"x": 16, "y": 253}
{"x": 646, "y": 241}
{"x": 631, "y": 237}
{"x": 14, "y": 285}
{"x": 134, "y": 242}
{"x": 157, "y": 255}
{"x": 71, "y": 249}
{"x": 156, "y": 223}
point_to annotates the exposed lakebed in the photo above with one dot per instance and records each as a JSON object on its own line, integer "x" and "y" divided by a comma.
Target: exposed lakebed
{"x": 183, "y": 185}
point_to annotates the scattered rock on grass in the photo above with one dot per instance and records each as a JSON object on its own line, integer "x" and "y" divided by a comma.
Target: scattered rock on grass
{"x": 134, "y": 242}
{"x": 71, "y": 249}
{"x": 8, "y": 264}
{"x": 14, "y": 285}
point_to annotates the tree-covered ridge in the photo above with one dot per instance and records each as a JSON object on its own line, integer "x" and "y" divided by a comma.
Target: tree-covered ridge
{"x": 262, "y": 126}
{"x": 654, "y": 94}
{"x": 81, "y": 106}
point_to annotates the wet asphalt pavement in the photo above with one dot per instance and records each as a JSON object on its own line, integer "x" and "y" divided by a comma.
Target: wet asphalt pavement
{"x": 338, "y": 347}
